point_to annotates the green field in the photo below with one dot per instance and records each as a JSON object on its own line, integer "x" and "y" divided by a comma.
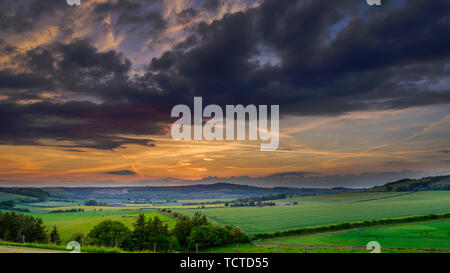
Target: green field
{"x": 311, "y": 211}
{"x": 8, "y": 196}
{"x": 424, "y": 235}
{"x": 70, "y": 222}
{"x": 433, "y": 236}
{"x": 330, "y": 209}
{"x": 52, "y": 204}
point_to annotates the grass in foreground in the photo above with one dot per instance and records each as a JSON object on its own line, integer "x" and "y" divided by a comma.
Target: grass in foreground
{"x": 33, "y": 247}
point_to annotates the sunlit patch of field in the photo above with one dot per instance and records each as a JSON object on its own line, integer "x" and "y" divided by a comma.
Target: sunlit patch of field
{"x": 80, "y": 222}
{"x": 421, "y": 235}
{"x": 329, "y": 209}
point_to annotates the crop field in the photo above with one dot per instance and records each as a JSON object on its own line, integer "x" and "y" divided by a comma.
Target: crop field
{"x": 330, "y": 209}
{"x": 422, "y": 235}
{"x": 311, "y": 211}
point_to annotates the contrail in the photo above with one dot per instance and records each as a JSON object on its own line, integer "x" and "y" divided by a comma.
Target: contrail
{"x": 131, "y": 163}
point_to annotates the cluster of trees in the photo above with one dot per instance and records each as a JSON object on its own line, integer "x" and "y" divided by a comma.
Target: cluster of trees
{"x": 10, "y": 205}
{"x": 92, "y": 202}
{"x": 202, "y": 203}
{"x": 256, "y": 201}
{"x": 250, "y": 204}
{"x": 66, "y": 210}
{"x": 19, "y": 228}
{"x": 153, "y": 234}
{"x": 262, "y": 198}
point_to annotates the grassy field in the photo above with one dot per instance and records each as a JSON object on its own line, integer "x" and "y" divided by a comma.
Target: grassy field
{"x": 70, "y": 222}
{"x": 430, "y": 237}
{"x": 330, "y": 209}
{"x": 249, "y": 248}
{"x": 8, "y": 196}
{"x": 423, "y": 235}
{"x": 312, "y": 211}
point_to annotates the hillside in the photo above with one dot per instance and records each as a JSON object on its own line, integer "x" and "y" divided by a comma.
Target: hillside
{"x": 219, "y": 190}
{"x": 423, "y": 184}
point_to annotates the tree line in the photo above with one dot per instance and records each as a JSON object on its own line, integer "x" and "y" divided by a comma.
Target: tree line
{"x": 146, "y": 234}
{"x": 152, "y": 234}
{"x": 66, "y": 210}
{"x": 20, "y": 228}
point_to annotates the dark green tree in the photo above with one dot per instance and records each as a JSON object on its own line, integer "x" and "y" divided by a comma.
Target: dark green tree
{"x": 205, "y": 236}
{"x": 239, "y": 236}
{"x": 54, "y": 236}
{"x": 109, "y": 233}
{"x": 139, "y": 234}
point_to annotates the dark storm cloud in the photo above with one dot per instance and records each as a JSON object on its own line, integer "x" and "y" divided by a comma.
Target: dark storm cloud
{"x": 74, "y": 124}
{"x": 78, "y": 64}
{"x": 10, "y": 80}
{"x": 20, "y": 16}
{"x": 186, "y": 15}
{"x": 121, "y": 172}
{"x": 141, "y": 16}
{"x": 212, "y": 4}
{"x": 375, "y": 61}
{"x": 310, "y": 57}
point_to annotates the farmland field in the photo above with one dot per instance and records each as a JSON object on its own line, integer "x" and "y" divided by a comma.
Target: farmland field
{"x": 330, "y": 209}
{"x": 423, "y": 235}
{"x": 69, "y": 223}
{"x": 311, "y": 211}
{"x": 7, "y": 196}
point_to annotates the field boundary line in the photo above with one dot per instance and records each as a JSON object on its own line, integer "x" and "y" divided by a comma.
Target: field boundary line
{"x": 350, "y": 247}
{"x": 381, "y": 198}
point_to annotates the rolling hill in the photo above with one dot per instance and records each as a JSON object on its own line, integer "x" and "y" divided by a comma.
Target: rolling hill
{"x": 422, "y": 184}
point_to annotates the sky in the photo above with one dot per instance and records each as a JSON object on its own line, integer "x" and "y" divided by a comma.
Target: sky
{"x": 86, "y": 91}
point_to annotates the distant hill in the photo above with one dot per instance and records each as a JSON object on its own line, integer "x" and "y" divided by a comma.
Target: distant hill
{"x": 27, "y": 192}
{"x": 433, "y": 183}
{"x": 206, "y": 191}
